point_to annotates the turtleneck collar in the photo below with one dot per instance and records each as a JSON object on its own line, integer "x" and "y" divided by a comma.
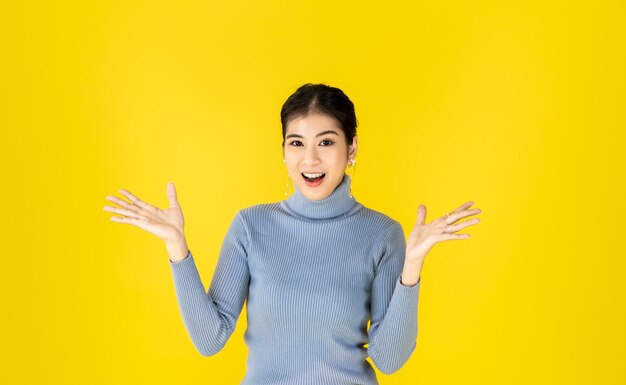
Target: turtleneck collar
{"x": 337, "y": 203}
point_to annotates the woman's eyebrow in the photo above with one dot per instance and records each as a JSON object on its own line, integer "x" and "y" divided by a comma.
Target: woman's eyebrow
{"x": 320, "y": 134}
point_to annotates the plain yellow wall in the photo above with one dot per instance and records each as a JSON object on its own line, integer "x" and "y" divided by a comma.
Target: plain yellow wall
{"x": 518, "y": 106}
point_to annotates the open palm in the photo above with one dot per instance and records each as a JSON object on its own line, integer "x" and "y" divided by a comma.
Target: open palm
{"x": 167, "y": 224}
{"x": 425, "y": 235}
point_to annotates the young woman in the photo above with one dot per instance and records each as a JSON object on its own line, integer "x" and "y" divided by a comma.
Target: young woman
{"x": 314, "y": 268}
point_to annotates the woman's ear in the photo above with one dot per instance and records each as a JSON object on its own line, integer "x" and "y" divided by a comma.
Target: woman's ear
{"x": 353, "y": 147}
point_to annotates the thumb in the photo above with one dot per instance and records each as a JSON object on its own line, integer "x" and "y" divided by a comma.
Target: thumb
{"x": 171, "y": 196}
{"x": 421, "y": 214}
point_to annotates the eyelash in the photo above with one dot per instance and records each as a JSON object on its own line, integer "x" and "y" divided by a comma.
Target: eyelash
{"x": 325, "y": 140}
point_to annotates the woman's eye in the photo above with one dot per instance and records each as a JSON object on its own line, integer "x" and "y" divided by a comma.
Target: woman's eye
{"x": 297, "y": 143}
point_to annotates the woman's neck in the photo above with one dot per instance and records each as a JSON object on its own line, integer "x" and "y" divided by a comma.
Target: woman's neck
{"x": 335, "y": 204}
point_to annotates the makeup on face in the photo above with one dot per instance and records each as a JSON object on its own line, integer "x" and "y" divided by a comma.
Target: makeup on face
{"x": 316, "y": 150}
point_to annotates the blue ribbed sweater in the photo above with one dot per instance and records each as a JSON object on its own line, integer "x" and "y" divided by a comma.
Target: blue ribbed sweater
{"x": 313, "y": 274}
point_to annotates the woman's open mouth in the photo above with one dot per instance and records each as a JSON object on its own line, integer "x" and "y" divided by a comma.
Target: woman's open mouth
{"x": 313, "y": 179}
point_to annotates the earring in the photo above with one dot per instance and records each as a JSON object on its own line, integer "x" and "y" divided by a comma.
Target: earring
{"x": 287, "y": 183}
{"x": 353, "y": 167}
{"x": 287, "y": 186}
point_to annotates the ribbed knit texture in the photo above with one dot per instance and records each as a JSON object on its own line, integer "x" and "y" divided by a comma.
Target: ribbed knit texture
{"x": 313, "y": 273}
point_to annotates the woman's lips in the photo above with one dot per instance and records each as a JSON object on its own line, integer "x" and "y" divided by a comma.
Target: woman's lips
{"x": 315, "y": 182}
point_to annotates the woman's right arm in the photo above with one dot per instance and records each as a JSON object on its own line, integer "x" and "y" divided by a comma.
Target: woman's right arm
{"x": 210, "y": 317}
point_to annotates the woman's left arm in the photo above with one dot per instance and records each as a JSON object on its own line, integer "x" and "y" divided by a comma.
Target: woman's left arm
{"x": 393, "y": 329}
{"x": 396, "y": 286}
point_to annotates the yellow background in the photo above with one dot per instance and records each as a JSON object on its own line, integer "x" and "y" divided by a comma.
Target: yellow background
{"x": 518, "y": 106}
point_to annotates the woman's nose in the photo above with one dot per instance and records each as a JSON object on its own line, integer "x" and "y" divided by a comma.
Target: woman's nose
{"x": 311, "y": 155}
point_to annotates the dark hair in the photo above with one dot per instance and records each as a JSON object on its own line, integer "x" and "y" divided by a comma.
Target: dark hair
{"x": 320, "y": 98}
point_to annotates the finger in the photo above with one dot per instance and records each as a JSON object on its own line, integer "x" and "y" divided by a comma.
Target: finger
{"x": 122, "y": 203}
{"x": 172, "y": 196}
{"x": 130, "y": 221}
{"x": 463, "y": 206}
{"x": 421, "y": 214}
{"x": 456, "y": 215}
{"x": 137, "y": 201}
{"x": 119, "y": 201}
{"x": 449, "y": 236}
{"x": 122, "y": 211}
{"x": 460, "y": 226}
{"x": 123, "y": 220}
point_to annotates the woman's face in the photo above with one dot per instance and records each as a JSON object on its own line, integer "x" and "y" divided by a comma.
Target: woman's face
{"x": 316, "y": 144}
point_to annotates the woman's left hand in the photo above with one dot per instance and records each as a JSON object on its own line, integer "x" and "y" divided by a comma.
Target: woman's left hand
{"x": 424, "y": 236}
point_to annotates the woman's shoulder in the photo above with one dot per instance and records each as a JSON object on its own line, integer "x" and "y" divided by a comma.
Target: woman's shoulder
{"x": 385, "y": 220}
{"x": 259, "y": 210}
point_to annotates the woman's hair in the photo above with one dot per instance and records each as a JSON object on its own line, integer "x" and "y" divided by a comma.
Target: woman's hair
{"x": 320, "y": 98}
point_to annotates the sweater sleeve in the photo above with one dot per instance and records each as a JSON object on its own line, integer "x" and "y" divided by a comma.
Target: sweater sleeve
{"x": 210, "y": 317}
{"x": 393, "y": 329}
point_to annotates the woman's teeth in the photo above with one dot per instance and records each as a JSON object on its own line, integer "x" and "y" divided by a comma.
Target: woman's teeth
{"x": 306, "y": 174}
{"x": 313, "y": 177}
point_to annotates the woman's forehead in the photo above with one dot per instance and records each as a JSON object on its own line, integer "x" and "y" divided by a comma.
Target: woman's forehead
{"x": 313, "y": 124}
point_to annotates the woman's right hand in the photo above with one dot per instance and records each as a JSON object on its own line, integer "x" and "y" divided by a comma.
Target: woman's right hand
{"x": 166, "y": 224}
